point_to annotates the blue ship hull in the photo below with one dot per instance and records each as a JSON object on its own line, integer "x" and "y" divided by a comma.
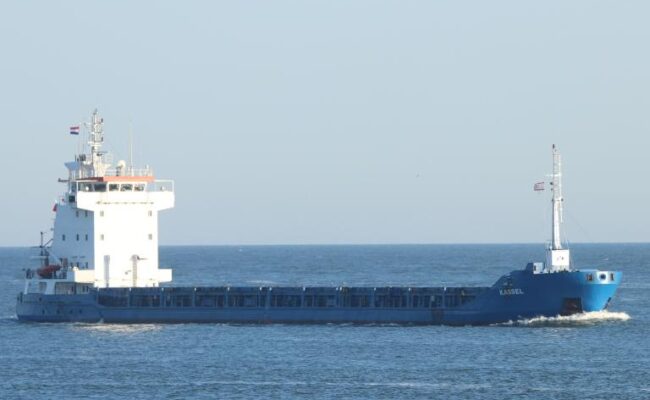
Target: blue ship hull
{"x": 519, "y": 295}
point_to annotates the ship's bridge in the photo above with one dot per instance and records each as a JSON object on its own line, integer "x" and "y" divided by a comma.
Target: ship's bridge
{"x": 92, "y": 193}
{"x": 122, "y": 184}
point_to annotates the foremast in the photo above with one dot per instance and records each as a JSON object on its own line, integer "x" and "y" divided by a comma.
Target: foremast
{"x": 557, "y": 257}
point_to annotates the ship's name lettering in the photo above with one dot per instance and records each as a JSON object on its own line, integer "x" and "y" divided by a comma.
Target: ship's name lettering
{"x": 510, "y": 292}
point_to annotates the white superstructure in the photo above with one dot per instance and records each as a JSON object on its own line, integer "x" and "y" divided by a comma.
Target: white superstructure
{"x": 106, "y": 226}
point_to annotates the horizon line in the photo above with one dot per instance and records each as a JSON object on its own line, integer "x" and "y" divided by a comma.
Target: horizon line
{"x": 360, "y": 244}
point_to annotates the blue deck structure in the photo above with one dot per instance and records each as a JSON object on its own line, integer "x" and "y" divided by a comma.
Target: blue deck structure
{"x": 520, "y": 294}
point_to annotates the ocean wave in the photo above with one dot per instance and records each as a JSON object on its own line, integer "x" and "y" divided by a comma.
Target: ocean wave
{"x": 582, "y": 319}
{"x": 8, "y": 319}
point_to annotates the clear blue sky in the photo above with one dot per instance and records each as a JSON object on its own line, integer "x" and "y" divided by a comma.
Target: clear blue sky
{"x": 338, "y": 121}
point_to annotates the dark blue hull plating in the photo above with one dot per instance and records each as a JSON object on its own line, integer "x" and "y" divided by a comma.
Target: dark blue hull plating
{"x": 518, "y": 295}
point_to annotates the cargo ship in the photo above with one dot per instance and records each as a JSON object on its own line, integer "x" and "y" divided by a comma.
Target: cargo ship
{"x": 101, "y": 265}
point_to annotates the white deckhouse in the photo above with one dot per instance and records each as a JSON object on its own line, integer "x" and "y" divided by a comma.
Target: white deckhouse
{"x": 106, "y": 227}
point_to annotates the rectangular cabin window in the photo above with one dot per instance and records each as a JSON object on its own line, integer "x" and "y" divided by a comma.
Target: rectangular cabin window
{"x": 150, "y": 213}
{"x": 86, "y": 214}
{"x": 86, "y": 237}
{"x": 100, "y": 187}
{"x": 73, "y": 188}
{"x": 101, "y": 213}
{"x": 76, "y": 213}
{"x": 113, "y": 187}
{"x": 127, "y": 187}
{"x": 101, "y": 237}
{"x": 139, "y": 187}
{"x": 86, "y": 187}
{"x": 63, "y": 238}
{"x": 77, "y": 237}
{"x": 150, "y": 236}
{"x": 64, "y": 288}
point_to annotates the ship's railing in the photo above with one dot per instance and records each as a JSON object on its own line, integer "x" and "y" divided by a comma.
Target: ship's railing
{"x": 292, "y": 297}
{"x": 112, "y": 172}
{"x": 129, "y": 172}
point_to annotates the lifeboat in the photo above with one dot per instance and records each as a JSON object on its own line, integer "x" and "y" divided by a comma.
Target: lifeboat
{"x": 48, "y": 271}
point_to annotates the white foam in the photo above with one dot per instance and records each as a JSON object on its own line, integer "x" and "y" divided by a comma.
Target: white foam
{"x": 262, "y": 282}
{"x": 117, "y": 328}
{"x": 582, "y": 319}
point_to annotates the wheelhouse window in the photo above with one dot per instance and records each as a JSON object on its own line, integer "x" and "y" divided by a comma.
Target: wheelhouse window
{"x": 100, "y": 187}
{"x": 139, "y": 187}
{"x": 127, "y": 187}
{"x": 113, "y": 187}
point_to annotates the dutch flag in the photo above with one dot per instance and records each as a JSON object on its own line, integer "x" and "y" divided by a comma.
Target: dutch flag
{"x": 74, "y": 130}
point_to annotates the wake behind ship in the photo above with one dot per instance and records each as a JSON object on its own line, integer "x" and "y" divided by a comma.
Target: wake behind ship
{"x": 101, "y": 264}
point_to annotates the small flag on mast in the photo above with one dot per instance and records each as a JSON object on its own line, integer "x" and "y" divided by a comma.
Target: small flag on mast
{"x": 74, "y": 130}
{"x": 539, "y": 186}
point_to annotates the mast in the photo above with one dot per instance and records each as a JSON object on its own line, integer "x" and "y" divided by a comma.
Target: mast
{"x": 96, "y": 140}
{"x": 557, "y": 257}
{"x": 130, "y": 167}
{"x": 556, "y": 188}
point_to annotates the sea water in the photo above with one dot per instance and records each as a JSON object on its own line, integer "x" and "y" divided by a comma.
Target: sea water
{"x": 604, "y": 355}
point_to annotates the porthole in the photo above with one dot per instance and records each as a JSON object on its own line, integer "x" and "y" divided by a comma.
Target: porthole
{"x": 603, "y": 277}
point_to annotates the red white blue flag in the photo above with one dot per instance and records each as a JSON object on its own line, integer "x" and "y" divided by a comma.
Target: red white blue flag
{"x": 74, "y": 130}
